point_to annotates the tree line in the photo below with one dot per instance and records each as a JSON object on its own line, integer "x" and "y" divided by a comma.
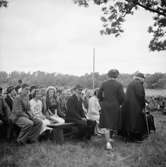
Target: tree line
{"x": 44, "y": 79}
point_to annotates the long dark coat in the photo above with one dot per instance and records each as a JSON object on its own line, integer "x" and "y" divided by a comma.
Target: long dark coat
{"x": 133, "y": 117}
{"x": 111, "y": 96}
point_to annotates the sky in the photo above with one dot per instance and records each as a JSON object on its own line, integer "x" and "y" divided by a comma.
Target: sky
{"x": 58, "y": 36}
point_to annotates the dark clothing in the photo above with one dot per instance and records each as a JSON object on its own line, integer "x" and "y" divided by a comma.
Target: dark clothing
{"x": 133, "y": 118}
{"x": 17, "y": 88}
{"x": 111, "y": 97}
{"x": 9, "y": 102}
{"x": 4, "y": 110}
{"x": 12, "y": 129}
{"x": 4, "y": 116}
{"x": 76, "y": 115}
{"x": 51, "y": 104}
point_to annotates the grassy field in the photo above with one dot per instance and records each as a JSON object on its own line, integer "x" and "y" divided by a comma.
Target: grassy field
{"x": 155, "y": 92}
{"x": 150, "y": 153}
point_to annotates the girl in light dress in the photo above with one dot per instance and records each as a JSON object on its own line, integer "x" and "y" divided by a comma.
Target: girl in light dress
{"x": 94, "y": 110}
{"x": 36, "y": 109}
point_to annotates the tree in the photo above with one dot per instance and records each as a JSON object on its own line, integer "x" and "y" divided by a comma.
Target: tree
{"x": 115, "y": 11}
{"x": 3, "y": 3}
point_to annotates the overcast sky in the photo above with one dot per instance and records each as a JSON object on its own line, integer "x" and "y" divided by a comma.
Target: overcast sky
{"x": 58, "y": 36}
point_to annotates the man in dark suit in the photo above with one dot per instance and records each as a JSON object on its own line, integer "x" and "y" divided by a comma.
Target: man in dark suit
{"x": 76, "y": 114}
{"x": 111, "y": 97}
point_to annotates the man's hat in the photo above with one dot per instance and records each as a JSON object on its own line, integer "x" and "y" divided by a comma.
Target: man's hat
{"x": 140, "y": 75}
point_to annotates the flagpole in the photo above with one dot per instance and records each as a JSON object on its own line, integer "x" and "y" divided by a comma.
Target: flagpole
{"x": 93, "y": 75}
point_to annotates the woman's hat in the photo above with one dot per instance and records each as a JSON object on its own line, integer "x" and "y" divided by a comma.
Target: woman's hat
{"x": 113, "y": 73}
{"x": 140, "y": 75}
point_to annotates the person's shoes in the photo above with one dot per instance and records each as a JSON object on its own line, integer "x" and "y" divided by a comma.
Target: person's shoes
{"x": 108, "y": 146}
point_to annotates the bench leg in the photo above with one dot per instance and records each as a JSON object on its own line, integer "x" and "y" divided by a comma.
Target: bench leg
{"x": 58, "y": 135}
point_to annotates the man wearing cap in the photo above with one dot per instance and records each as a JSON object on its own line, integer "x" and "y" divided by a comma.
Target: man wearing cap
{"x": 76, "y": 114}
{"x": 111, "y": 97}
{"x": 30, "y": 126}
{"x": 133, "y": 117}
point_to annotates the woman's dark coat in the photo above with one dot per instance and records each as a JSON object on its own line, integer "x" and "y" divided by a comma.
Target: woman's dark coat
{"x": 133, "y": 116}
{"x": 111, "y": 97}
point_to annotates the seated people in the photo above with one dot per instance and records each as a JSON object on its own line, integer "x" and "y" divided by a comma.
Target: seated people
{"x": 36, "y": 109}
{"x": 76, "y": 115}
{"x": 30, "y": 126}
{"x": 52, "y": 106}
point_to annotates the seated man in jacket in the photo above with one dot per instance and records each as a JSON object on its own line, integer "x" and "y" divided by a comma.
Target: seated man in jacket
{"x": 76, "y": 114}
{"x": 30, "y": 126}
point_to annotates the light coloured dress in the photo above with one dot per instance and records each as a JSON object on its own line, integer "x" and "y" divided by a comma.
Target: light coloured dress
{"x": 93, "y": 109}
{"x": 36, "y": 109}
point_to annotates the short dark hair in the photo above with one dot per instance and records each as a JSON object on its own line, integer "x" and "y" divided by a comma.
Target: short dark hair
{"x": 9, "y": 89}
{"x": 33, "y": 87}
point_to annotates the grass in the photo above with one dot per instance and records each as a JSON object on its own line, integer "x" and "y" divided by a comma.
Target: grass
{"x": 155, "y": 92}
{"x": 150, "y": 153}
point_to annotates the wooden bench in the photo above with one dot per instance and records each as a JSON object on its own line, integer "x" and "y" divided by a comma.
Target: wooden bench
{"x": 58, "y": 131}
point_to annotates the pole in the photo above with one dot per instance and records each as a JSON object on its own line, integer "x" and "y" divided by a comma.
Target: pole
{"x": 93, "y": 75}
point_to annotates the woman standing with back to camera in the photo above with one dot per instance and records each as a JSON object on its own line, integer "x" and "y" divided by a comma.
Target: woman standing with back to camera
{"x": 111, "y": 97}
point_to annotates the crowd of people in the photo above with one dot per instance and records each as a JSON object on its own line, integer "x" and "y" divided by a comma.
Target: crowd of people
{"x": 157, "y": 103}
{"x": 26, "y": 111}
